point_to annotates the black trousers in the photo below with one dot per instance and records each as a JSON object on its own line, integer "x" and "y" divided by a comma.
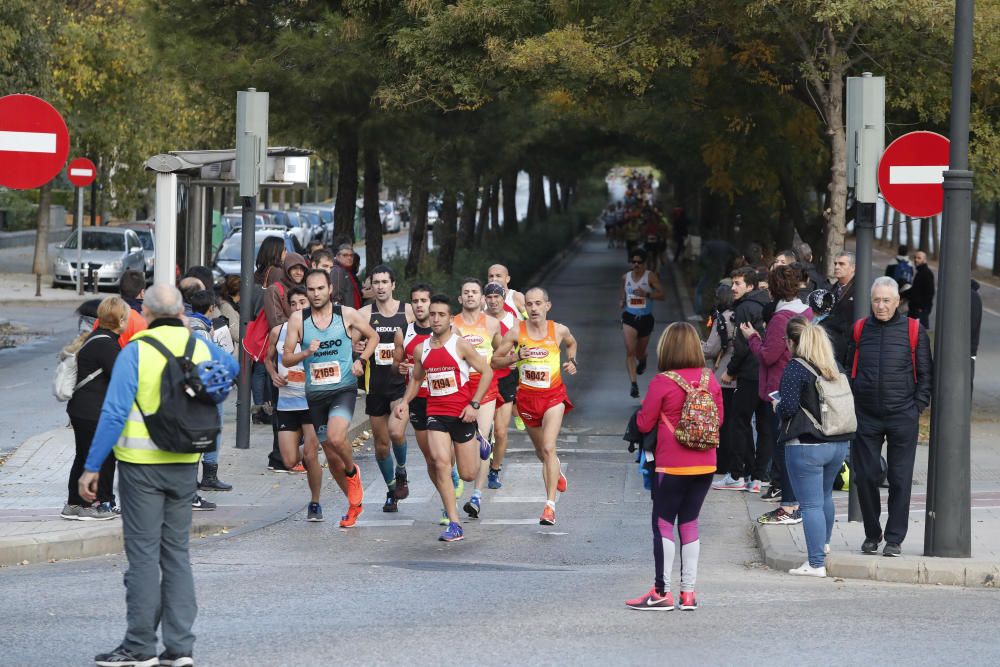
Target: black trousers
{"x": 725, "y": 454}
{"x": 899, "y": 432}
{"x": 748, "y": 460}
{"x": 83, "y": 432}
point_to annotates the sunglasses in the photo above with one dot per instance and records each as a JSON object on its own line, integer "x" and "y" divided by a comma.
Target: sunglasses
{"x": 637, "y": 261}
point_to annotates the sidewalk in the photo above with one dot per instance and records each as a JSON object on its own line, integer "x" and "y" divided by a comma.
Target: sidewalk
{"x": 18, "y": 289}
{"x": 33, "y": 490}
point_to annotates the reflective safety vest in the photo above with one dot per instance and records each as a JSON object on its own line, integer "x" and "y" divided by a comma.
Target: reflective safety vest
{"x": 134, "y": 444}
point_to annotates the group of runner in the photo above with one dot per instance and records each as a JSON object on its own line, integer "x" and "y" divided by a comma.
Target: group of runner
{"x": 636, "y": 223}
{"x": 455, "y": 378}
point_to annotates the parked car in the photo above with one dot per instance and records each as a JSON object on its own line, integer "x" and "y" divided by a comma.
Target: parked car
{"x": 227, "y": 258}
{"x": 391, "y": 221}
{"x": 144, "y": 230}
{"x": 313, "y": 219}
{"x": 230, "y": 222}
{"x": 107, "y": 251}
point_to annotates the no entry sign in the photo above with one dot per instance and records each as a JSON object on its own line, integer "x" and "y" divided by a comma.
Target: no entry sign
{"x": 34, "y": 142}
{"x": 911, "y": 172}
{"x": 81, "y": 172}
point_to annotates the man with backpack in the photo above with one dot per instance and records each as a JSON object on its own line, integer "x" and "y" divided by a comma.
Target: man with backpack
{"x": 891, "y": 376}
{"x": 901, "y": 269}
{"x": 159, "y": 431}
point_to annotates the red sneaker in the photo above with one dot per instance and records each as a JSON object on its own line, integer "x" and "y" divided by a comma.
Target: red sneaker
{"x": 349, "y": 519}
{"x": 652, "y": 601}
{"x": 355, "y": 491}
{"x": 561, "y": 484}
{"x": 548, "y": 517}
{"x": 688, "y": 603}
{"x": 298, "y": 468}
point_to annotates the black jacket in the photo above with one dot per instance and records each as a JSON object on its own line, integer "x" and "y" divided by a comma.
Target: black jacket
{"x": 884, "y": 383}
{"x": 840, "y": 323}
{"x": 921, "y": 293}
{"x": 814, "y": 279}
{"x": 100, "y": 351}
{"x": 749, "y": 308}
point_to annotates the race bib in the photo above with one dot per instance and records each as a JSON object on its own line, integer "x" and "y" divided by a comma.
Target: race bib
{"x": 536, "y": 375}
{"x": 637, "y": 302}
{"x": 651, "y": 238}
{"x": 384, "y": 353}
{"x": 442, "y": 383}
{"x": 324, "y": 373}
{"x": 296, "y": 378}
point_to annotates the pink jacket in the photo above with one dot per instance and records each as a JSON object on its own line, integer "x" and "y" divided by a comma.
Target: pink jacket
{"x": 665, "y": 397}
{"x": 772, "y": 352}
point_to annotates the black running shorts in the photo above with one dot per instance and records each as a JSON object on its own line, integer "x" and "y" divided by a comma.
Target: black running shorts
{"x": 643, "y": 324}
{"x": 459, "y": 430}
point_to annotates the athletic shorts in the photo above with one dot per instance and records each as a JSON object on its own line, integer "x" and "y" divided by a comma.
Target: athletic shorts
{"x": 491, "y": 391}
{"x": 339, "y": 403}
{"x": 643, "y": 324}
{"x": 418, "y": 413}
{"x": 532, "y": 405}
{"x": 380, "y": 405}
{"x": 459, "y": 430}
{"x": 292, "y": 420}
{"x": 506, "y": 389}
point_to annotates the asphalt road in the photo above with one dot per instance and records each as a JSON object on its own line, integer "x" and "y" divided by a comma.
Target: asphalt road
{"x": 514, "y": 592}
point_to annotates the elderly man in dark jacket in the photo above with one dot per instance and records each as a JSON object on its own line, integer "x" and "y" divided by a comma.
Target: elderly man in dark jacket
{"x": 838, "y": 324}
{"x": 892, "y": 386}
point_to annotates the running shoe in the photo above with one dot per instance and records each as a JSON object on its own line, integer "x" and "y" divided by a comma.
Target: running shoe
{"x": 72, "y": 512}
{"x": 122, "y": 657}
{"x": 780, "y": 517}
{"x": 753, "y": 486}
{"x": 891, "y": 550}
{"x": 727, "y": 483}
{"x": 351, "y": 518}
{"x": 472, "y": 507}
{"x": 402, "y": 488}
{"x": 355, "y": 491}
{"x": 561, "y": 484}
{"x": 807, "y": 570}
{"x": 870, "y": 546}
{"x": 548, "y": 517}
{"x": 444, "y": 520}
{"x": 634, "y": 392}
{"x": 640, "y": 367}
{"x": 493, "y": 481}
{"x": 168, "y": 659}
{"x": 299, "y": 468}
{"x": 485, "y": 448}
{"x": 518, "y": 423}
{"x": 391, "y": 504}
{"x": 200, "y": 504}
{"x": 453, "y": 534}
{"x": 652, "y": 601}
{"x": 459, "y": 488}
{"x": 688, "y": 603}
{"x": 772, "y": 495}
{"x": 314, "y": 513}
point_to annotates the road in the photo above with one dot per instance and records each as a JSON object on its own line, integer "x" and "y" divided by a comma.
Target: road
{"x": 512, "y": 593}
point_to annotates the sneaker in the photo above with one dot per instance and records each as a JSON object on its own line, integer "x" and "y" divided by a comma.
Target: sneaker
{"x": 299, "y": 468}
{"x": 453, "y": 534}
{"x": 277, "y": 467}
{"x": 518, "y": 423}
{"x": 485, "y": 448}
{"x": 472, "y": 507}
{"x": 772, "y": 495}
{"x": 355, "y": 491}
{"x": 652, "y": 601}
{"x": 120, "y": 657}
{"x": 727, "y": 483}
{"x": 459, "y": 488}
{"x": 688, "y": 603}
{"x": 807, "y": 570}
{"x": 640, "y": 367}
{"x": 870, "y": 546}
{"x": 634, "y": 391}
{"x": 109, "y": 510}
{"x": 314, "y": 513}
{"x": 891, "y": 550}
{"x": 95, "y": 514}
{"x": 780, "y": 517}
{"x": 753, "y": 486}
{"x": 548, "y": 517}
{"x": 561, "y": 484}
{"x": 402, "y": 488}
{"x": 351, "y": 518}
{"x": 168, "y": 659}
{"x": 444, "y": 520}
{"x": 200, "y": 504}
{"x": 71, "y": 512}
{"x": 493, "y": 480}
{"x": 391, "y": 504}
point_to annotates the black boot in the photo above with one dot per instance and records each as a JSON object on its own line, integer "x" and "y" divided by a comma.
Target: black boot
{"x": 210, "y": 478}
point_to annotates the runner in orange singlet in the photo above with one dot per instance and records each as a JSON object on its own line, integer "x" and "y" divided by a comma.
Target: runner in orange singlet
{"x": 541, "y": 395}
{"x": 506, "y": 383}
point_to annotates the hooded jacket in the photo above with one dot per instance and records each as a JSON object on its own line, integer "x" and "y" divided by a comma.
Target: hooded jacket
{"x": 748, "y": 308}
{"x": 276, "y": 307}
{"x": 771, "y": 350}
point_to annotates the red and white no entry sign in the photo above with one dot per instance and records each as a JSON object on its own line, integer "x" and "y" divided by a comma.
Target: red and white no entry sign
{"x": 81, "y": 172}
{"x": 34, "y": 142}
{"x": 911, "y": 172}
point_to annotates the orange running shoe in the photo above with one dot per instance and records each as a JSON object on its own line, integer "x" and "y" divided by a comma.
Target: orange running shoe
{"x": 351, "y": 518}
{"x": 355, "y": 491}
{"x": 561, "y": 484}
{"x": 548, "y": 517}
{"x": 298, "y": 468}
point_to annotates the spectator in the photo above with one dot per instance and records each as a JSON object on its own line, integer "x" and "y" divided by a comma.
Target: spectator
{"x": 683, "y": 475}
{"x": 892, "y": 386}
{"x": 95, "y": 360}
{"x": 900, "y": 269}
{"x": 784, "y": 258}
{"x": 276, "y": 306}
{"x": 322, "y": 259}
{"x": 268, "y": 271}
{"x": 188, "y": 286}
{"x": 975, "y": 324}
{"x": 345, "y": 283}
{"x": 132, "y": 288}
{"x": 920, "y": 296}
{"x": 204, "y": 311}
{"x": 202, "y": 273}
{"x": 718, "y": 350}
{"x": 270, "y": 257}
{"x": 838, "y": 324}
{"x": 773, "y": 355}
{"x": 229, "y": 306}
{"x": 814, "y": 279}
{"x": 813, "y": 458}
{"x": 202, "y": 305}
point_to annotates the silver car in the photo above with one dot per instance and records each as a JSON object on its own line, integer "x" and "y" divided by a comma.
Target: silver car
{"x": 107, "y": 251}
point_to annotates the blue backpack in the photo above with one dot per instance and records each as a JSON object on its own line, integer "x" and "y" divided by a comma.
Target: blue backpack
{"x": 904, "y": 272}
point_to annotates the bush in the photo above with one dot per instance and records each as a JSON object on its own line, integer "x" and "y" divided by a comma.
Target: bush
{"x": 19, "y": 211}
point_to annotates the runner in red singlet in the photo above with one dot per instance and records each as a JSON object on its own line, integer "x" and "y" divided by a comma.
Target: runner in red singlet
{"x": 506, "y": 384}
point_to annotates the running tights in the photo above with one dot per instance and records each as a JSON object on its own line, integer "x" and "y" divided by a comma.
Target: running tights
{"x": 677, "y": 499}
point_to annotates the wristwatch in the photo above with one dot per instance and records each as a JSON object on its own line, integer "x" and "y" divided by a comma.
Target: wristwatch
{"x": 474, "y": 404}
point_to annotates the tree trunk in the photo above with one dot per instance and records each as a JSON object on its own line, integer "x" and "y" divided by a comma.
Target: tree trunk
{"x": 495, "y": 208}
{"x": 484, "y": 214}
{"x": 373, "y": 219}
{"x": 837, "y": 217}
{"x": 347, "y": 180}
{"x": 510, "y": 203}
{"x": 925, "y": 233}
{"x": 418, "y": 234}
{"x": 934, "y": 237}
{"x": 885, "y": 223}
{"x": 543, "y": 210}
{"x": 896, "y": 222}
{"x": 554, "y": 203}
{"x": 40, "y": 262}
{"x": 794, "y": 218}
{"x": 534, "y": 192}
{"x": 996, "y": 238}
{"x": 332, "y": 191}
{"x": 467, "y": 223}
{"x": 564, "y": 188}
{"x": 909, "y": 233}
{"x": 446, "y": 233}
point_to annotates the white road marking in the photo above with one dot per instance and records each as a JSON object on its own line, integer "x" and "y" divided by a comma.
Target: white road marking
{"x": 517, "y": 499}
{"x": 507, "y": 522}
{"x": 383, "y": 523}
{"x": 27, "y": 142}
{"x": 916, "y": 174}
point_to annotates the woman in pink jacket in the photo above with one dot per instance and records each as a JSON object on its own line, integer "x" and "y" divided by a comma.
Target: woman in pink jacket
{"x": 683, "y": 475}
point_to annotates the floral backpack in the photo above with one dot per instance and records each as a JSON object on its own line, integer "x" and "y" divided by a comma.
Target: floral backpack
{"x": 698, "y": 426}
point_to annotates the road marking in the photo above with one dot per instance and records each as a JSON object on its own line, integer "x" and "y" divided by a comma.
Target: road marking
{"x": 28, "y": 142}
{"x": 916, "y": 174}
{"x": 518, "y": 499}
{"x": 507, "y": 522}
{"x": 991, "y": 311}
{"x": 81, "y": 172}
{"x": 384, "y": 523}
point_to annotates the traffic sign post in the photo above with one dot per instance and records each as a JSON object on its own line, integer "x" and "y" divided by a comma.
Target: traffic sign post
{"x": 81, "y": 173}
{"x": 911, "y": 173}
{"x": 34, "y": 142}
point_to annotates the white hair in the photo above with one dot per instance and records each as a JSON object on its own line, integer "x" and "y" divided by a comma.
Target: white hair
{"x": 163, "y": 301}
{"x": 886, "y": 281}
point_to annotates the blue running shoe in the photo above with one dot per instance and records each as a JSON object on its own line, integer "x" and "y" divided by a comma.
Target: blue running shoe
{"x": 485, "y": 448}
{"x": 453, "y": 534}
{"x": 472, "y": 507}
{"x": 493, "y": 481}
{"x": 315, "y": 512}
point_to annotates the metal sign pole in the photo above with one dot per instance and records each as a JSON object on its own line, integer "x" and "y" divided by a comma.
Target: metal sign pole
{"x": 79, "y": 240}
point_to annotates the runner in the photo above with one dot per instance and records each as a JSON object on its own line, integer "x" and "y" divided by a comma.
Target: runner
{"x": 444, "y": 360}
{"x": 541, "y": 394}
{"x": 640, "y": 288}
{"x": 506, "y": 384}
{"x": 384, "y": 385}
{"x": 482, "y": 332}
{"x": 324, "y": 332}
{"x": 513, "y": 301}
{"x": 651, "y": 233}
{"x": 292, "y": 412}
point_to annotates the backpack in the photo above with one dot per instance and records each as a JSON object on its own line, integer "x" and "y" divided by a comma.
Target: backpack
{"x": 64, "y": 383}
{"x": 188, "y": 420}
{"x": 836, "y": 404}
{"x": 914, "y": 333}
{"x": 255, "y": 338}
{"x": 698, "y": 426}
{"x": 903, "y": 272}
